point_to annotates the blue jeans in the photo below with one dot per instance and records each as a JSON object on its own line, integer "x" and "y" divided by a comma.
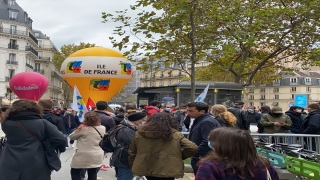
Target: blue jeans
{"x": 124, "y": 174}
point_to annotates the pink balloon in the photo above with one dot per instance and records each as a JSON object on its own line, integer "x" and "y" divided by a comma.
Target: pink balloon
{"x": 29, "y": 85}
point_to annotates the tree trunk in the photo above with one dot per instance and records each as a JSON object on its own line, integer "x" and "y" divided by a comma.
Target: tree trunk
{"x": 193, "y": 57}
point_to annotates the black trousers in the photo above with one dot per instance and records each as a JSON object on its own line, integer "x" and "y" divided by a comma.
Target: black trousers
{"x": 158, "y": 178}
{"x": 76, "y": 174}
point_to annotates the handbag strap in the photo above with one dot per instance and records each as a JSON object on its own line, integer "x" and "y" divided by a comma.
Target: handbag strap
{"x": 28, "y": 131}
{"x": 97, "y": 131}
{"x": 268, "y": 175}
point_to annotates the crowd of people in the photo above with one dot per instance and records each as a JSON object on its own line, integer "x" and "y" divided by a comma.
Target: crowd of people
{"x": 147, "y": 141}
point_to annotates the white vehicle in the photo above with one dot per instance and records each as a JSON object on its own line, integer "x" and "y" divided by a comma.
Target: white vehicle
{"x": 113, "y": 106}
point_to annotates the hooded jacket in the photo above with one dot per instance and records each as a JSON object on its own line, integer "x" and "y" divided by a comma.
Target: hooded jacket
{"x": 311, "y": 125}
{"x": 106, "y": 120}
{"x": 151, "y": 110}
{"x": 159, "y": 158}
{"x": 296, "y": 119}
{"x": 268, "y": 121}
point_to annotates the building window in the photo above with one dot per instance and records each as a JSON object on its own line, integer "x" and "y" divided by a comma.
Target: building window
{"x": 262, "y": 97}
{"x": 13, "y": 15}
{"x": 179, "y": 80}
{"x": 276, "y": 96}
{"x": 263, "y": 90}
{"x": 12, "y": 57}
{"x": 251, "y": 97}
{"x": 262, "y": 104}
{"x": 293, "y": 80}
{"x": 292, "y": 96}
{"x": 293, "y": 89}
{"x": 277, "y": 81}
{"x": 40, "y": 54}
{"x": 11, "y": 2}
{"x": 203, "y": 64}
{"x": 251, "y": 90}
{"x": 11, "y": 73}
{"x": 170, "y": 82}
{"x": 308, "y": 89}
{"x": 13, "y": 29}
{"x": 25, "y": 17}
{"x": 275, "y": 90}
{"x": 154, "y": 83}
{"x": 251, "y": 104}
{"x": 37, "y": 34}
{"x": 39, "y": 44}
{"x": 161, "y": 83}
{"x": 37, "y": 66}
{"x": 308, "y": 80}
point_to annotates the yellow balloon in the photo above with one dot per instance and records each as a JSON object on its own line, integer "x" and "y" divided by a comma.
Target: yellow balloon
{"x": 98, "y": 73}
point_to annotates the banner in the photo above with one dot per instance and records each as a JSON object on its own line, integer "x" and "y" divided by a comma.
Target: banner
{"x": 78, "y": 104}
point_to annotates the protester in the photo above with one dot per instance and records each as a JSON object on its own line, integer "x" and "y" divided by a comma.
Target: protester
{"x": 224, "y": 117}
{"x": 153, "y": 108}
{"x": 200, "y": 129}
{"x": 88, "y": 154}
{"x": 180, "y": 116}
{"x": 276, "y": 121}
{"x": 54, "y": 119}
{"x": 129, "y": 126}
{"x": 4, "y": 110}
{"x": 241, "y": 115}
{"x": 105, "y": 116}
{"x": 24, "y": 157}
{"x": 235, "y": 157}
{"x": 253, "y": 116}
{"x": 295, "y": 114}
{"x": 71, "y": 122}
{"x": 264, "y": 110}
{"x": 159, "y": 138}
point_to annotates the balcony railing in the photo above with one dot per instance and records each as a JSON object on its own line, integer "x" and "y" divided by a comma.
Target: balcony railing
{"x": 47, "y": 47}
{"x": 41, "y": 71}
{"x": 53, "y": 73}
{"x": 13, "y": 31}
{"x": 12, "y": 62}
{"x": 13, "y": 46}
{"x": 33, "y": 38}
{"x": 7, "y": 79}
{"x": 29, "y": 66}
{"x": 44, "y": 58}
{"x": 13, "y": 19}
{"x": 29, "y": 48}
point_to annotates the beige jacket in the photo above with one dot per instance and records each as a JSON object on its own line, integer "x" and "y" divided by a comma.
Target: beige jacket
{"x": 88, "y": 153}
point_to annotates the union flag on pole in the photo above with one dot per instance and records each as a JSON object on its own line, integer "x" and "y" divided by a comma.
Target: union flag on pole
{"x": 90, "y": 104}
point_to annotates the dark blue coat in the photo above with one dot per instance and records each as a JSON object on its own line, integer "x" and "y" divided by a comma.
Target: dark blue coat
{"x": 296, "y": 119}
{"x": 200, "y": 130}
{"x": 311, "y": 125}
{"x": 74, "y": 121}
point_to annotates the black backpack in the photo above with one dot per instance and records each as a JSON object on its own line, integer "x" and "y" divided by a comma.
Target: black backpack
{"x": 109, "y": 142}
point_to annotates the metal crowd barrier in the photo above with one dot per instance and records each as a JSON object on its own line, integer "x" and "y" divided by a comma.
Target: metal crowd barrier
{"x": 309, "y": 141}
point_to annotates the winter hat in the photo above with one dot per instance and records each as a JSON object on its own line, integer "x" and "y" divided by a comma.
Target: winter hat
{"x": 265, "y": 108}
{"x": 276, "y": 110}
{"x": 137, "y": 116}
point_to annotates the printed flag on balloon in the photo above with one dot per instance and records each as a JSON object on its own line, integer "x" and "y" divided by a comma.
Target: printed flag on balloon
{"x": 79, "y": 104}
{"x": 203, "y": 95}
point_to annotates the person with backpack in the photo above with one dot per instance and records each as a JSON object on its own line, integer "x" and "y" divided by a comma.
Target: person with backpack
{"x": 224, "y": 117}
{"x": 153, "y": 108}
{"x": 54, "y": 119}
{"x": 123, "y": 136}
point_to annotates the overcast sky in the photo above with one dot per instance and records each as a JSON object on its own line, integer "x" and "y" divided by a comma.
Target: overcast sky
{"x": 74, "y": 21}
